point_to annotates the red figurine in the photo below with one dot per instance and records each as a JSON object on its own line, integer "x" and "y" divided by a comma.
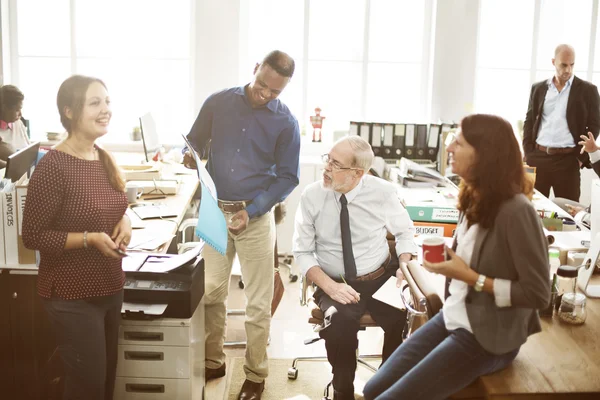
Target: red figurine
{"x": 317, "y": 123}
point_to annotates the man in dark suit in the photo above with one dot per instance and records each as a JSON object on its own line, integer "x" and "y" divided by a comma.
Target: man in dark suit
{"x": 560, "y": 110}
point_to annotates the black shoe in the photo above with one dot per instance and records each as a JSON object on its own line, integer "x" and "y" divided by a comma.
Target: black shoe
{"x": 210, "y": 373}
{"x": 251, "y": 390}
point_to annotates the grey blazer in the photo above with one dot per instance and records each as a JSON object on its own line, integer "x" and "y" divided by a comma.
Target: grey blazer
{"x": 514, "y": 248}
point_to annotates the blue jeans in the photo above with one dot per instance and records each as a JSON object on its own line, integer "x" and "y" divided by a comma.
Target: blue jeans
{"x": 434, "y": 363}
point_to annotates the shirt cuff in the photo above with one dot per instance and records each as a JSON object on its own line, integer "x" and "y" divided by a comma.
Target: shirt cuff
{"x": 502, "y": 292}
{"x": 305, "y": 262}
{"x": 252, "y": 211}
{"x": 406, "y": 246}
{"x": 595, "y": 156}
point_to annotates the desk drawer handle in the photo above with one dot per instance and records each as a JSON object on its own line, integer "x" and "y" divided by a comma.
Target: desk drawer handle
{"x": 144, "y": 355}
{"x": 144, "y": 388}
{"x": 144, "y": 336}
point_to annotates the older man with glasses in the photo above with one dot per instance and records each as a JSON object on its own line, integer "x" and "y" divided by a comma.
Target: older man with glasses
{"x": 340, "y": 244}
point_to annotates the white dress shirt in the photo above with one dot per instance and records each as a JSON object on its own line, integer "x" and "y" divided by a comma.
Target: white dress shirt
{"x": 554, "y": 129}
{"x": 374, "y": 209}
{"x": 455, "y": 310}
{"x": 16, "y": 135}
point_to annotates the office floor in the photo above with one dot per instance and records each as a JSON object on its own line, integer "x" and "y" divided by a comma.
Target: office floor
{"x": 289, "y": 328}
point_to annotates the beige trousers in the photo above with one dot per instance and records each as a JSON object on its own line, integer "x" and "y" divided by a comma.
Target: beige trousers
{"x": 254, "y": 248}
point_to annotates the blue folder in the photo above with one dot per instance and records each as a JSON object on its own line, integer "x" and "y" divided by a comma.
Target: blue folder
{"x": 211, "y": 227}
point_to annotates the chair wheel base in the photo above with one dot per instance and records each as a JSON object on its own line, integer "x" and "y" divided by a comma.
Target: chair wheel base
{"x": 293, "y": 373}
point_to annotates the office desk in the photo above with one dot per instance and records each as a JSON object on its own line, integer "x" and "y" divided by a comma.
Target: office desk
{"x": 28, "y": 362}
{"x": 561, "y": 362}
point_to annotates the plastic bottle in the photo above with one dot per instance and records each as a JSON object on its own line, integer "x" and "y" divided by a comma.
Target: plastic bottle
{"x": 553, "y": 256}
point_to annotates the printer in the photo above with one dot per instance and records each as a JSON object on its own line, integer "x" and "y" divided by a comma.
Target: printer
{"x": 175, "y": 289}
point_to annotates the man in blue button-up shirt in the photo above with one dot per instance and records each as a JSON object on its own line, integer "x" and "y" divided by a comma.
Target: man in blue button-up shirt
{"x": 254, "y": 162}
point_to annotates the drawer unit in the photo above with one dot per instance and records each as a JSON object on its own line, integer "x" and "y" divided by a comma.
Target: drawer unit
{"x": 152, "y": 389}
{"x": 154, "y": 335}
{"x": 162, "y": 358}
{"x": 154, "y": 361}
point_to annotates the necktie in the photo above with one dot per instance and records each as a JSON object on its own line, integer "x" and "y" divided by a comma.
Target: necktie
{"x": 349, "y": 263}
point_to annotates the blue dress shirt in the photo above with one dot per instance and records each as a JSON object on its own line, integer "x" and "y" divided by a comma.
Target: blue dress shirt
{"x": 254, "y": 152}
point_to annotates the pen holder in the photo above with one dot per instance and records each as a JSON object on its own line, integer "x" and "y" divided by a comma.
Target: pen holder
{"x": 553, "y": 224}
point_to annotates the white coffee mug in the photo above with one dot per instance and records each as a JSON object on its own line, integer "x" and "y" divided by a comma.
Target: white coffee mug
{"x": 133, "y": 193}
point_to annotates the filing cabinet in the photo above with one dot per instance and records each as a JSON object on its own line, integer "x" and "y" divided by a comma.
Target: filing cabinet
{"x": 161, "y": 359}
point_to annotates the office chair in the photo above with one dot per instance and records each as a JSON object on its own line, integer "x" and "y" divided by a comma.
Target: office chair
{"x": 422, "y": 304}
{"x": 317, "y": 318}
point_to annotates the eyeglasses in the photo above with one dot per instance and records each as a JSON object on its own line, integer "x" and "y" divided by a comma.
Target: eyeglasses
{"x": 334, "y": 164}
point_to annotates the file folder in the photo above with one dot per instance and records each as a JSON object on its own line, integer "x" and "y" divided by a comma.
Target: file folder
{"x": 365, "y": 131}
{"x": 353, "y": 128}
{"x": 376, "y": 131}
{"x": 421, "y": 150}
{"x": 388, "y": 141}
{"x": 399, "y": 141}
{"x": 433, "y": 142}
{"x": 409, "y": 141}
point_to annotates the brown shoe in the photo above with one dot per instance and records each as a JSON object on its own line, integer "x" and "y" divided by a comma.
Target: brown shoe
{"x": 251, "y": 390}
{"x": 210, "y": 373}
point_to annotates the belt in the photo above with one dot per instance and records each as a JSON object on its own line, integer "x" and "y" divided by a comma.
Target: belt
{"x": 233, "y": 206}
{"x": 555, "y": 150}
{"x": 378, "y": 273}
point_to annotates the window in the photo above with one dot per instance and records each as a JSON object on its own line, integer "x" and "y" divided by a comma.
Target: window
{"x": 506, "y": 64}
{"x": 141, "y": 49}
{"x": 504, "y": 60}
{"x": 355, "y": 65}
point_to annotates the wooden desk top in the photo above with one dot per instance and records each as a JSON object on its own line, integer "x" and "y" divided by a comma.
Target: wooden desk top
{"x": 561, "y": 362}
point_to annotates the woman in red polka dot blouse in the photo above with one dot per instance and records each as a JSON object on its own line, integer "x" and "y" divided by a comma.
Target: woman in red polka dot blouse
{"x": 75, "y": 217}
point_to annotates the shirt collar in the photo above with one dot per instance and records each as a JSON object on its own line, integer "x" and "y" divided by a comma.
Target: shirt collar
{"x": 241, "y": 90}
{"x": 351, "y": 194}
{"x": 569, "y": 82}
{"x": 5, "y": 125}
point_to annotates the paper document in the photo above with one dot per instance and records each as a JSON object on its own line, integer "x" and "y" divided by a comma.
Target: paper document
{"x": 133, "y": 261}
{"x": 164, "y": 263}
{"x": 203, "y": 174}
{"x": 389, "y": 293}
{"x": 149, "y": 239}
{"x": 149, "y": 309}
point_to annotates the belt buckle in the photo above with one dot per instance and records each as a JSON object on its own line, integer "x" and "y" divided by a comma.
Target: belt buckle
{"x": 548, "y": 151}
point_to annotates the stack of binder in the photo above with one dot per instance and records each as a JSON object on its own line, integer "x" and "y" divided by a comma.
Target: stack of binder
{"x": 394, "y": 141}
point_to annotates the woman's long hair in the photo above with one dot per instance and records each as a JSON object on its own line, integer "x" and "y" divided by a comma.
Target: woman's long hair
{"x": 497, "y": 174}
{"x": 71, "y": 94}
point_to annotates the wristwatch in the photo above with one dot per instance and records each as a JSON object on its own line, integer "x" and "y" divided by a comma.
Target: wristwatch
{"x": 479, "y": 284}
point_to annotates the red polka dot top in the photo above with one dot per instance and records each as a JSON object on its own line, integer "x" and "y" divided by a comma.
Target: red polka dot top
{"x": 69, "y": 194}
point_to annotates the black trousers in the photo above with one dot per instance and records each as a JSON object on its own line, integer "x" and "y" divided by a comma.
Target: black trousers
{"x": 558, "y": 171}
{"x": 341, "y": 341}
{"x": 87, "y": 335}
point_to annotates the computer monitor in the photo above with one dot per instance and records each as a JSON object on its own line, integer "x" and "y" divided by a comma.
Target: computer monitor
{"x": 20, "y": 163}
{"x": 150, "y": 139}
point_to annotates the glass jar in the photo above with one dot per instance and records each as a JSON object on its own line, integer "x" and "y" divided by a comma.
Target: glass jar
{"x": 572, "y": 309}
{"x": 566, "y": 282}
